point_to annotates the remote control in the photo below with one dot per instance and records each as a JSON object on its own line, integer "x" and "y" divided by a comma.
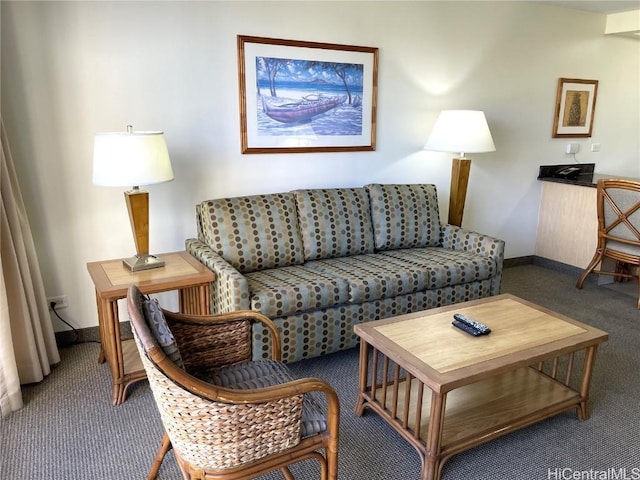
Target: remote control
{"x": 484, "y": 330}
{"x": 466, "y": 328}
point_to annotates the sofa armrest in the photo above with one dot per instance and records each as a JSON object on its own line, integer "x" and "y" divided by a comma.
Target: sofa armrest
{"x": 457, "y": 238}
{"x": 229, "y": 291}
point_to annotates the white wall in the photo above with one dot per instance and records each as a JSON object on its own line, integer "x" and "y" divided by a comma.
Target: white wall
{"x": 71, "y": 69}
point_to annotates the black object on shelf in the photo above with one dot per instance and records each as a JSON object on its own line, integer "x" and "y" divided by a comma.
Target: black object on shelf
{"x": 576, "y": 173}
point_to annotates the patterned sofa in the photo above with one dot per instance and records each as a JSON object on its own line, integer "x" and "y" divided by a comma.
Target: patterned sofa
{"x": 319, "y": 261}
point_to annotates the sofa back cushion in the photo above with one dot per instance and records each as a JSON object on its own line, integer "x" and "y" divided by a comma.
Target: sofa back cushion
{"x": 334, "y": 222}
{"x": 252, "y": 233}
{"x": 404, "y": 216}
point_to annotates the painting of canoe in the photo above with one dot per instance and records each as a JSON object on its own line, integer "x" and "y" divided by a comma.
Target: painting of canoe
{"x": 293, "y": 92}
{"x": 298, "y": 96}
{"x": 303, "y": 110}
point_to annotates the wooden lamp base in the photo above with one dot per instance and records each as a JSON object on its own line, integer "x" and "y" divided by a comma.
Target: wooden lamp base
{"x": 459, "y": 179}
{"x": 138, "y": 206}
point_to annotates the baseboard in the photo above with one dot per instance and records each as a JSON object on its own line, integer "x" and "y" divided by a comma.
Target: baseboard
{"x": 550, "y": 264}
{"x": 68, "y": 338}
{"x": 517, "y": 261}
{"x": 558, "y": 266}
{"x": 542, "y": 262}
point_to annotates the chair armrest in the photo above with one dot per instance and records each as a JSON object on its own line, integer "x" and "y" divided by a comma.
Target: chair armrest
{"x": 228, "y": 395}
{"x": 457, "y": 238}
{"x": 286, "y": 390}
{"x": 218, "y": 421}
{"x": 216, "y": 393}
{"x": 300, "y": 387}
{"x": 200, "y": 336}
{"x": 229, "y": 290}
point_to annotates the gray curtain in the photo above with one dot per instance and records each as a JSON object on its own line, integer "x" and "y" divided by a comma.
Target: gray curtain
{"x": 27, "y": 341}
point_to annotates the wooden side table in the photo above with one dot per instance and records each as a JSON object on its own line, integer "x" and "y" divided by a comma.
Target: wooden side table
{"x": 111, "y": 278}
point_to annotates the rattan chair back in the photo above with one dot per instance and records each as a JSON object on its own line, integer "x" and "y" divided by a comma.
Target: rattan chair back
{"x": 618, "y": 207}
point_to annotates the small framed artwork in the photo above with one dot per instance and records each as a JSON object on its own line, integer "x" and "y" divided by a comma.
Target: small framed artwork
{"x": 575, "y": 107}
{"x": 298, "y": 96}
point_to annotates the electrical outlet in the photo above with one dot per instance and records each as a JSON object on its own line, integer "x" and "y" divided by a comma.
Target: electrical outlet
{"x": 58, "y": 302}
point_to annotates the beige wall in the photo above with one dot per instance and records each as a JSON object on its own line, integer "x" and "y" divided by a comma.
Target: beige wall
{"x": 71, "y": 69}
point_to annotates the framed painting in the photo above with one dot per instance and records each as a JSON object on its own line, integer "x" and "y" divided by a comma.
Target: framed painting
{"x": 575, "y": 107}
{"x": 298, "y": 97}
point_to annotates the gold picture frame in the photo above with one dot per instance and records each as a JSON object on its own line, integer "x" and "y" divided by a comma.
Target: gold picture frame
{"x": 301, "y": 97}
{"x": 575, "y": 108}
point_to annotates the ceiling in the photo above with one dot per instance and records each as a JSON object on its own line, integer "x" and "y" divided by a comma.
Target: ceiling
{"x": 599, "y": 6}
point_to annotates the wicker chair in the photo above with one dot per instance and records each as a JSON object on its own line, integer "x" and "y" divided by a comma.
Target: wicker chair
{"x": 226, "y": 416}
{"x": 618, "y": 229}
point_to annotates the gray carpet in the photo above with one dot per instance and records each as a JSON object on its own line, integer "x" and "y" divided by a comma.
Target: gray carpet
{"x": 69, "y": 430}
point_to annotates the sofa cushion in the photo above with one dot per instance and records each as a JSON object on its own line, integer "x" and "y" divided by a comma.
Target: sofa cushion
{"x": 374, "y": 276}
{"x": 404, "y": 216}
{"x": 252, "y": 233}
{"x": 287, "y": 290}
{"x": 446, "y": 267}
{"x": 334, "y": 222}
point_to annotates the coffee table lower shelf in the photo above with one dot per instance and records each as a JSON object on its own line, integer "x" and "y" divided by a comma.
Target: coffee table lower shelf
{"x": 474, "y": 413}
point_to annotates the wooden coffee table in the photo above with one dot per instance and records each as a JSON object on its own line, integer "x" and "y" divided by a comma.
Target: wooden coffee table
{"x": 445, "y": 391}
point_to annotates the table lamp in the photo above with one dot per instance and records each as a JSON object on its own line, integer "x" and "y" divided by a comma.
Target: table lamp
{"x": 464, "y": 131}
{"x": 131, "y": 158}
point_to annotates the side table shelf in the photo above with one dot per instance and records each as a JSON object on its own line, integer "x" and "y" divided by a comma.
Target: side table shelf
{"x": 131, "y": 359}
{"x": 182, "y": 272}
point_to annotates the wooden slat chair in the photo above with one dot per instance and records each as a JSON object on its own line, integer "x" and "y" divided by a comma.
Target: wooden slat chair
{"x": 618, "y": 229}
{"x": 226, "y": 416}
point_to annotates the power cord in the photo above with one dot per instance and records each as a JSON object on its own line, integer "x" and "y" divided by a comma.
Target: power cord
{"x": 52, "y": 306}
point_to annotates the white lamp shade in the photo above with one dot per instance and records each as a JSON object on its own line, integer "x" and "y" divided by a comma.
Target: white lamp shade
{"x": 130, "y": 159}
{"x": 461, "y": 131}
